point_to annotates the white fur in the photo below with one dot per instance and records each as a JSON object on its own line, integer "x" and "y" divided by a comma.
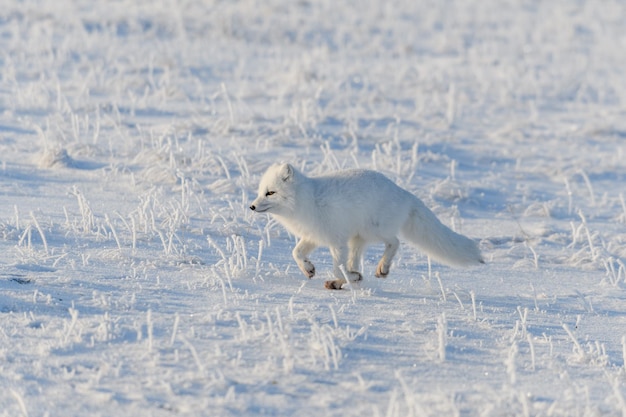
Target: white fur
{"x": 348, "y": 210}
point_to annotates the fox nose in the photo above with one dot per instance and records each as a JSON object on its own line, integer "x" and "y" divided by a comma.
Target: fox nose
{"x": 252, "y": 207}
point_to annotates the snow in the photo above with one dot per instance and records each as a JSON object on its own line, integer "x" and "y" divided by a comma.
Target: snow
{"x": 134, "y": 280}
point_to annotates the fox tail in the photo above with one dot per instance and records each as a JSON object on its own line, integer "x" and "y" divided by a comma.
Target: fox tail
{"x": 424, "y": 229}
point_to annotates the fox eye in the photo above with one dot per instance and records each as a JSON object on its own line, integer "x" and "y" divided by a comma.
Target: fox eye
{"x": 269, "y": 193}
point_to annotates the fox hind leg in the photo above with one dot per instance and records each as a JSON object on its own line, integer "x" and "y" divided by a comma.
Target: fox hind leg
{"x": 391, "y": 247}
{"x": 301, "y": 255}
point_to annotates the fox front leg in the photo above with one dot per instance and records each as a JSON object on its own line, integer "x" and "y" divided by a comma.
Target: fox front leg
{"x": 340, "y": 257}
{"x": 356, "y": 246}
{"x": 301, "y": 255}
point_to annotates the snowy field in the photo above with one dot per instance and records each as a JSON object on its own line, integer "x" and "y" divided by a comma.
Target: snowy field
{"x": 134, "y": 280}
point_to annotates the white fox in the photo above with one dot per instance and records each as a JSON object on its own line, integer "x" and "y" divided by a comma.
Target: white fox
{"x": 349, "y": 209}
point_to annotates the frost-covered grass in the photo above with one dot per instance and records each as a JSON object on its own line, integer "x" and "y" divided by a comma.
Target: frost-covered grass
{"x": 135, "y": 281}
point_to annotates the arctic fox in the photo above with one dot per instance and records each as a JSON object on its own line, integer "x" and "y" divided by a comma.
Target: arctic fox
{"x": 347, "y": 210}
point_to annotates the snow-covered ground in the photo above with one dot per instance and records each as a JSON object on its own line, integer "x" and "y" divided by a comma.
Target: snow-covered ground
{"x": 134, "y": 280}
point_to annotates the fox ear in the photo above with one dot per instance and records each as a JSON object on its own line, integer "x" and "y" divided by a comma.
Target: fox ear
{"x": 286, "y": 172}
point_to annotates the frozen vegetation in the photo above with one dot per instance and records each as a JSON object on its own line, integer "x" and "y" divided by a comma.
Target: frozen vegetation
{"x": 134, "y": 280}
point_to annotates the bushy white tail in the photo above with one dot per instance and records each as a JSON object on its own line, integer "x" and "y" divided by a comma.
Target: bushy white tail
{"x": 424, "y": 229}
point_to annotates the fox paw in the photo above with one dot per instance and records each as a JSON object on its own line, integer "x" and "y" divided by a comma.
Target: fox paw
{"x": 355, "y": 276}
{"x": 334, "y": 285}
{"x": 308, "y": 268}
{"x": 382, "y": 270}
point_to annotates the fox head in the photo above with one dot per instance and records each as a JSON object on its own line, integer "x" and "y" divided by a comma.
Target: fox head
{"x": 277, "y": 192}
